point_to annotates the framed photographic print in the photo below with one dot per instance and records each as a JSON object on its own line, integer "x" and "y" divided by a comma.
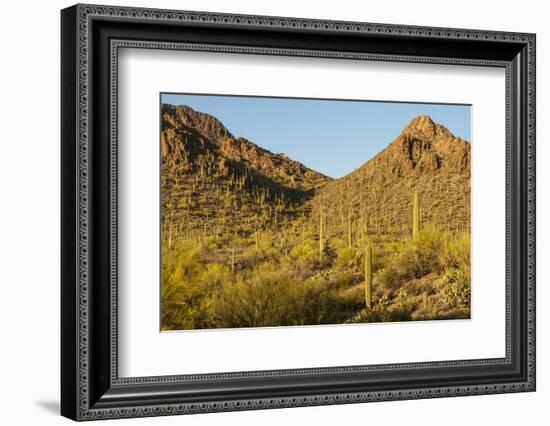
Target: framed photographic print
{"x": 263, "y": 212}
{"x": 253, "y": 238}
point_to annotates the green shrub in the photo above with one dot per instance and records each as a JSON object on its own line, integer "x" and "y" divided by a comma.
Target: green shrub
{"x": 306, "y": 252}
{"x": 345, "y": 258}
{"x": 456, "y": 252}
{"x": 186, "y": 283}
{"x": 269, "y": 296}
{"x": 423, "y": 279}
{"x": 455, "y": 287}
{"x": 413, "y": 260}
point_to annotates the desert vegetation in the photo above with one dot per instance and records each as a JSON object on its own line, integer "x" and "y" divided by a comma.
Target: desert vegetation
{"x": 251, "y": 238}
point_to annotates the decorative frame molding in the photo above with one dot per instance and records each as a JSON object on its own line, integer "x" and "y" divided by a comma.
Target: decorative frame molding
{"x": 91, "y": 388}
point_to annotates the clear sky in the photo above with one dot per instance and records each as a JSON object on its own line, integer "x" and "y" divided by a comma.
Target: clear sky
{"x": 331, "y": 136}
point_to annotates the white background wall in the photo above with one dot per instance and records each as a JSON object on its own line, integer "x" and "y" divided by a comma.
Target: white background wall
{"x": 29, "y": 211}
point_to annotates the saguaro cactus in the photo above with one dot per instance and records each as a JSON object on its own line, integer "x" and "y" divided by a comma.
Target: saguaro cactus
{"x": 416, "y": 217}
{"x": 233, "y": 251}
{"x": 349, "y": 227}
{"x": 368, "y": 277}
{"x": 321, "y": 242}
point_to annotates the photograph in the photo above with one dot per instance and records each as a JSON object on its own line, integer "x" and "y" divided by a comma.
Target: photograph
{"x": 299, "y": 212}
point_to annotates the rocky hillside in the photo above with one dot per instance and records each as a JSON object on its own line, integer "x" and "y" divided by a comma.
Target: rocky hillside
{"x": 188, "y": 135}
{"x": 425, "y": 158}
{"x": 213, "y": 182}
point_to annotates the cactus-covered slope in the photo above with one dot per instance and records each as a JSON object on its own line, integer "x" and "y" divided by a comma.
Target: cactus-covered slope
{"x": 425, "y": 158}
{"x": 214, "y": 182}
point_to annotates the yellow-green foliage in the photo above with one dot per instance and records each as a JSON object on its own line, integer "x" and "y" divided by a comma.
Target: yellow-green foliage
{"x": 186, "y": 284}
{"x": 267, "y": 296}
{"x": 199, "y": 295}
{"x": 414, "y": 259}
{"x": 423, "y": 279}
{"x": 457, "y": 251}
{"x": 345, "y": 257}
{"x": 305, "y": 253}
{"x": 455, "y": 282}
{"x": 455, "y": 290}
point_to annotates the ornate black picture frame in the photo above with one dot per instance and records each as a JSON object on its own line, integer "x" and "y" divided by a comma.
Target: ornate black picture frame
{"x": 91, "y": 36}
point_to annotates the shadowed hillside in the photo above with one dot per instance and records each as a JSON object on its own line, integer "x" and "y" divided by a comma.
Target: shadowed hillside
{"x": 213, "y": 182}
{"x": 253, "y": 238}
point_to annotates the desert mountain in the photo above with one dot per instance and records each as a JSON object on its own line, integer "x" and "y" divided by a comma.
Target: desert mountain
{"x": 189, "y": 135}
{"x": 425, "y": 158}
{"x": 214, "y": 182}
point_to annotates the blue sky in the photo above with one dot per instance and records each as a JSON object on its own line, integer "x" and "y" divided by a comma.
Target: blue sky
{"x": 331, "y": 136}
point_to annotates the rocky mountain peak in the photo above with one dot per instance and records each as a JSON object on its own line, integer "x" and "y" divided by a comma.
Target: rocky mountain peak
{"x": 423, "y": 146}
{"x": 206, "y": 124}
{"x": 432, "y": 146}
{"x": 425, "y": 157}
{"x": 424, "y": 127}
{"x": 195, "y": 141}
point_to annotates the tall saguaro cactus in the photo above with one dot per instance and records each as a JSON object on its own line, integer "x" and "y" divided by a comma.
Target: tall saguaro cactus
{"x": 416, "y": 217}
{"x": 368, "y": 277}
{"x": 349, "y": 227}
{"x": 233, "y": 251}
{"x": 321, "y": 242}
